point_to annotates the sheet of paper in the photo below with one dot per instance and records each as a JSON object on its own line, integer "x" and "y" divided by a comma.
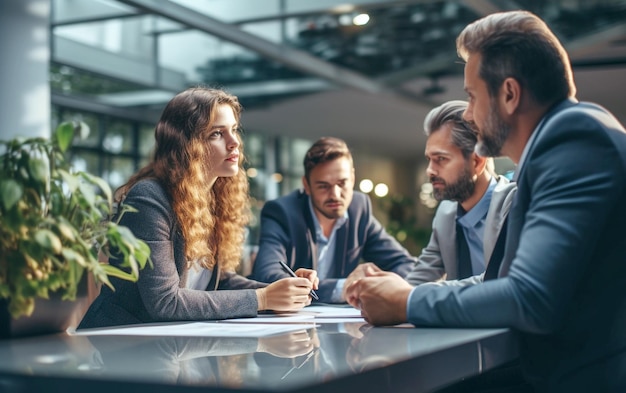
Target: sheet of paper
{"x": 339, "y": 320}
{"x": 331, "y": 312}
{"x": 194, "y": 329}
{"x": 279, "y": 318}
{"x": 313, "y": 314}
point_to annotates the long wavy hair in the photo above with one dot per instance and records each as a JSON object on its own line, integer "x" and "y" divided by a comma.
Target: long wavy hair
{"x": 212, "y": 218}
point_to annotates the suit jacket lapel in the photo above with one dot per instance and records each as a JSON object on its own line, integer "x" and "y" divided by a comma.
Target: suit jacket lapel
{"x": 311, "y": 235}
{"x": 517, "y": 213}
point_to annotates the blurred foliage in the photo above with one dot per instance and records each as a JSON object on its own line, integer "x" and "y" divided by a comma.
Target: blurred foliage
{"x": 402, "y": 222}
{"x": 54, "y": 222}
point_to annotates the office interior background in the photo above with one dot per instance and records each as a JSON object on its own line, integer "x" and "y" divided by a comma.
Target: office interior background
{"x": 366, "y": 71}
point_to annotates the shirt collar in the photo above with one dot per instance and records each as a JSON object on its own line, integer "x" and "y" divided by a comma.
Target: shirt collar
{"x": 479, "y": 211}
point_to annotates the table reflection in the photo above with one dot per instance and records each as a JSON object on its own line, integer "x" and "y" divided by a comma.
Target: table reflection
{"x": 194, "y": 360}
{"x": 325, "y": 356}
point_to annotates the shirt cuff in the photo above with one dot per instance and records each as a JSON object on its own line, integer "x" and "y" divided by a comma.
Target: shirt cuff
{"x": 337, "y": 295}
{"x": 408, "y": 304}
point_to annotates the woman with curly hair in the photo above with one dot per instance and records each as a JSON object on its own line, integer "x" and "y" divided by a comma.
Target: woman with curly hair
{"x": 192, "y": 208}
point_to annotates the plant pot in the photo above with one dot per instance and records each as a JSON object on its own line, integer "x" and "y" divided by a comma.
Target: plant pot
{"x": 50, "y": 316}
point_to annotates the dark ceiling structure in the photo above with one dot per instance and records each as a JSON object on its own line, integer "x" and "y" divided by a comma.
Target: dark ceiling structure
{"x": 278, "y": 53}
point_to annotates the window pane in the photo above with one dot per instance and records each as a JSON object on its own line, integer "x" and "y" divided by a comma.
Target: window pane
{"x": 254, "y": 147}
{"x": 118, "y": 137}
{"x": 146, "y": 140}
{"x": 118, "y": 170}
{"x": 85, "y": 161}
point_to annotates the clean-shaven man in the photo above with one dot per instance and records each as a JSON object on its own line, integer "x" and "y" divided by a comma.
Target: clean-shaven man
{"x": 326, "y": 226}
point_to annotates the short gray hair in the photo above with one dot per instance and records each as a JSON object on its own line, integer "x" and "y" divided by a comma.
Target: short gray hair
{"x": 451, "y": 112}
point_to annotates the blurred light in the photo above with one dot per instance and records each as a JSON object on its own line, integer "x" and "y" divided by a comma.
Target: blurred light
{"x": 401, "y": 236}
{"x": 113, "y": 143}
{"x": 345, "y": 20}
{"x": 252, "y": 172}
{"x": 381, "y": 190}
{"x": 277, "y": 177}
{"x": 366, "y": 186}
{"x": 343, "y": 8}
{"x": 116, "y": 178}
{"x": 426, "y": 196}
{"x": 79, "y": 164}
{"x": 361, "y": 19}
{"x": 418, "y": 17}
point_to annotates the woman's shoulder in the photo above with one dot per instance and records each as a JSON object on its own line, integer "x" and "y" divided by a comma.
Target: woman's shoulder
{"x": 148, "y": 193}
{"x": 147, "y": 188}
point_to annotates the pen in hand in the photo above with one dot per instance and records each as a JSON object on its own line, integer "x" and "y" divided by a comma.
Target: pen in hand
{"x": 292, "y": 274}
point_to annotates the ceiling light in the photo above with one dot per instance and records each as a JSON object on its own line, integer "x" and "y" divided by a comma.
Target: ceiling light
{"x": 361, "y": 19}
{"x": 381, "y": 190}
{"x": 366, "y": 186}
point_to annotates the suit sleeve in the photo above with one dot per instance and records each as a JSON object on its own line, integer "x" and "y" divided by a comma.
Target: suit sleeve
{"x": 429, "y": 266}
{"x": 569, "y": 202}
{"x": 231, "y": 280}
{"x": 274, "y": 241}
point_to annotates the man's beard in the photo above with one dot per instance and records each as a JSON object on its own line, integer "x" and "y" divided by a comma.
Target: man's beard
{"x": 493, "y": 135}
{"x": 459, "y": 191}
{"x": 330, "y": 214}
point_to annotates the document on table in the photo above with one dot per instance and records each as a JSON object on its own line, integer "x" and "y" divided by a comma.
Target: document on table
{"x": 312, "y": 314}
{"x": 331, "y": 312}
{"x": 193, "y": 329}
{"x": 260, "y": 326}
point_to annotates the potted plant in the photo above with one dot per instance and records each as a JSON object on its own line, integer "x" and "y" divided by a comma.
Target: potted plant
{"x": 54, "y": 222}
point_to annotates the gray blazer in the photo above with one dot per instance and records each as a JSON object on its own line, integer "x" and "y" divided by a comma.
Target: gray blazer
{"x": 438, "y": 260}
{"x": 160, "y": 293}
{"x": 561, "y": 281}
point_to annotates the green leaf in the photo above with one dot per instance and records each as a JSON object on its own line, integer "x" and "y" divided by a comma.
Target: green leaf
{"x": 66, "y": 229}
{"x": 115, "y": 272}
{"x": 10, "y": 192}
{"x": 143, "y": 253}
{"x": 39, "y": 169}
{"x": 64, "y": 135}
{"x": 83, "y": 130}
{"x": 48, "y": 240}
{"x": 100, "y": 182}
{"x": 74, "y": 257}
{"x": 69, "y": 179}
{"x": 88, "y": 194}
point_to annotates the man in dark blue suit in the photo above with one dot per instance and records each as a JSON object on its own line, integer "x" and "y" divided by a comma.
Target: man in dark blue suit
{"x": 562, "y": 281}
{"x": 327, "y": 226}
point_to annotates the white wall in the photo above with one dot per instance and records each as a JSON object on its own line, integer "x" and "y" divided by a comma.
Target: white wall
{"x": 24, "y": 87}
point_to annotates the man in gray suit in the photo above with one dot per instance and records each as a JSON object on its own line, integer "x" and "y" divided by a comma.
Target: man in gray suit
{"x": 561, "y": 281}
{"x": 473, "y": 199}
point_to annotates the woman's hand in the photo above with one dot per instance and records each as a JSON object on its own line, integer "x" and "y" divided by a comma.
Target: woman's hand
{"x": 310, "y": 275}
{"x": 286, "y": 294}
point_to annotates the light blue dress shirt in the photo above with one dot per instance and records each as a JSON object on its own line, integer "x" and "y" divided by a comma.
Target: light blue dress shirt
{"x": 326, "y": 251}
{"x": 473, "y": 224}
